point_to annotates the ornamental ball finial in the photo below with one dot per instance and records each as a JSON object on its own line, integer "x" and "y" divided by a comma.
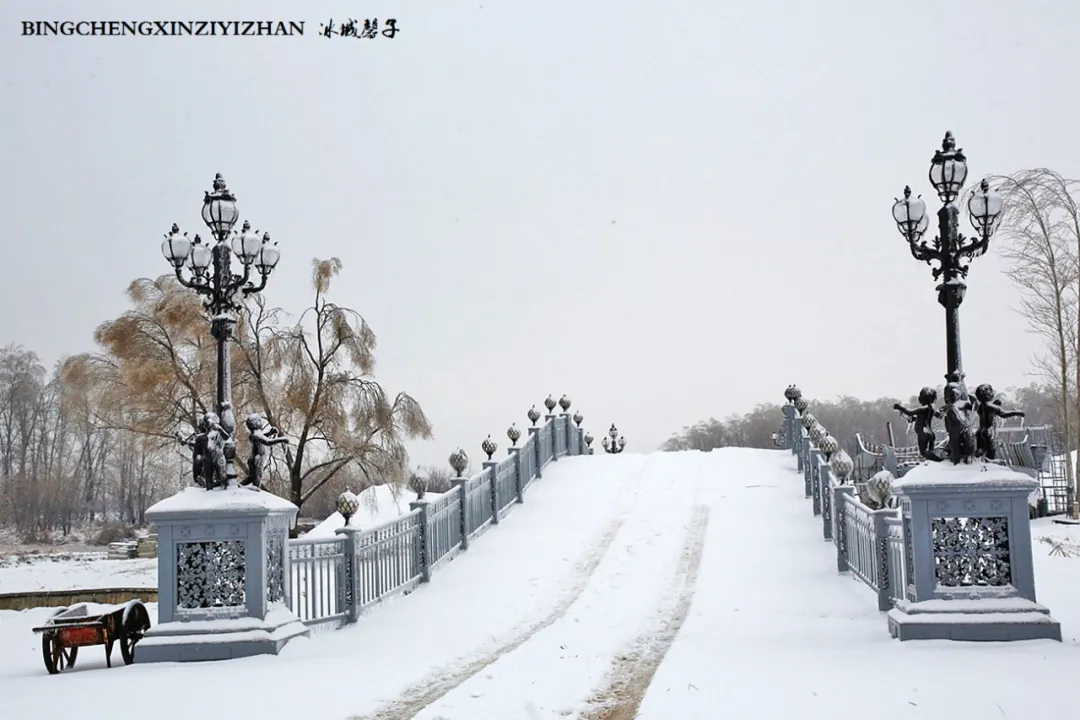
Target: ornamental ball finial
{"x": 489, "y": 446}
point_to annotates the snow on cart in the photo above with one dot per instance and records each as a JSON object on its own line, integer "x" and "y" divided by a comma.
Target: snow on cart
{"x": 74, "y": 627}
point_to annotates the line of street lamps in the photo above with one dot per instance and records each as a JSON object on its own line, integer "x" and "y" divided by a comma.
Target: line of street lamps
{"x": 210, "y": 274}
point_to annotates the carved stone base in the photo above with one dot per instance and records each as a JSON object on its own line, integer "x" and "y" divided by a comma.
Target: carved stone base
{"x": 224, "y": 579}
{"x": 200, "y": 640}
{"x": 984, "y": 620}
{"x": 969, "y": 571}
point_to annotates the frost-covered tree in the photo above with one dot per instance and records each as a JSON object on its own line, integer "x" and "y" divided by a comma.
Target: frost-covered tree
{"x": 155, "y": 373}
{"x": 1039, "y": 236}
{"x": 314, "y": 379}
{"x": 155, "y": 369}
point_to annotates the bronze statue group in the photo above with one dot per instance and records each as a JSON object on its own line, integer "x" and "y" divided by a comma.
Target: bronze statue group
{"x": 210, "y": 444}
{"x": 958, "y": 411}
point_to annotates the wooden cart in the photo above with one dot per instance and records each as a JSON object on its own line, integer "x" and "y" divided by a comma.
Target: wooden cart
{"x": 74, "y": 627}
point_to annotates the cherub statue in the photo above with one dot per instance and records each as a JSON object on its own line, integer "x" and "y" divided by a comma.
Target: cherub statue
{"x": 197, "y": 442}
{"x": 957, "y": 414}
{"x": 922, "y": 418}
{"x": 207, "y": 445}
{"x": 216, "y": 437}
{"x": 263, "y": 436}
{"x": 989, "y": 410}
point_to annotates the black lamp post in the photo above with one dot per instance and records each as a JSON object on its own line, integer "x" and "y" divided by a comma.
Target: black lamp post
{"x": 613, "y": 443}
{"x": 211, "y": 275}
{"x": 950, "y": 250}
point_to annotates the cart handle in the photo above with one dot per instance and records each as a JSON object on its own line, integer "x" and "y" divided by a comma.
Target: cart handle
{"x": 58, "y": 626}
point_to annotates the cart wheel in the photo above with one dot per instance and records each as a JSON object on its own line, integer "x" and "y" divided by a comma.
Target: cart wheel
{"x": 138, "y": 622}
{"x": 56, "y": 657}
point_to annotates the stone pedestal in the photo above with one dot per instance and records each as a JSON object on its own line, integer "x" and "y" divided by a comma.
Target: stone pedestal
{"x": 968, "y": 557}
{"x": 810, "y": 461}
{"x": 223, "y": 576}
{"x": 790, "y": 425}
{"x": 534, "y": 435}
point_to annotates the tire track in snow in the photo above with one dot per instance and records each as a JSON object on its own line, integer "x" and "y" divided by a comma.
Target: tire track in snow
{"x": 437, "y": 684}
{"x": 621, "y": 693}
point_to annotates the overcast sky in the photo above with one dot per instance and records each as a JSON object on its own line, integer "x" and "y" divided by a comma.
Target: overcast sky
{"x": 668, "y": 211}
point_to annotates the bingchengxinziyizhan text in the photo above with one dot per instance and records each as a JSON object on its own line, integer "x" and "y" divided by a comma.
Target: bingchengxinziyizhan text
{"x": 167, "y": 28}
{"x": 369, "y": 28}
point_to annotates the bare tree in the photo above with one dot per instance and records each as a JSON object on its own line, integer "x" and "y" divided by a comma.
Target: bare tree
{"x": 314, "y": 381}
{"x": 21, "y": 380}
{"x": 437, "y": 478}
{"x": 155, "y": 374}
{"x": 156, "y": 368}
{"x": 41, "y": 448}
{"x": 1040, "y": 227}
{"x": 156, "y": 371}
{"x": 82, "y": 403}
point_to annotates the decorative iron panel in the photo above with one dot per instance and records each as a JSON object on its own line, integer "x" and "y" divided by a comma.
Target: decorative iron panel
{"x": 210, "y": 574}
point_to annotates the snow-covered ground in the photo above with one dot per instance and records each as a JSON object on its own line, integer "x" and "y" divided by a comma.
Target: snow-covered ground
{"x": 694, "y": 583}
{"x": 64, "y": 572}
{"x": 43, "y": 573}
{"x": 791, "y": 637}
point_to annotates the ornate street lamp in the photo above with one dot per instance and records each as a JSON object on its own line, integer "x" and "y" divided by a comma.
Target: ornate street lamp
{"x": 950, "y": 250}
{"x": 613, "y": 443}
{"x": 210, "y": 275}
